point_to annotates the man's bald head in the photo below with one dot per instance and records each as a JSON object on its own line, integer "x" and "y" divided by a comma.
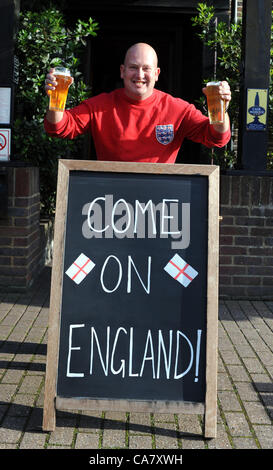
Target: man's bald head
{"x": 141, "y": 47}
{"x": 140, "y": 71}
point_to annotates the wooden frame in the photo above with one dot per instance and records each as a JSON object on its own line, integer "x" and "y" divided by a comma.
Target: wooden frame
{"x": 51, "y": 401}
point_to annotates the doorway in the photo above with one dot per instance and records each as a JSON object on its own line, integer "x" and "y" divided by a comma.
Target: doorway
{"x": 170, "y": 33}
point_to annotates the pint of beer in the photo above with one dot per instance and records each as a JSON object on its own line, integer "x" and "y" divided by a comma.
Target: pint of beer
{"x": 57, "y": 97}
{"x": 216, "y": 106}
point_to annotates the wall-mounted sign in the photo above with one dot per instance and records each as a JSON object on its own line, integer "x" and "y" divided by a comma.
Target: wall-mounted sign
{"x": 5, "y": 137}
{"x": 256, "y": 109}
{"x": 5, "y": 105}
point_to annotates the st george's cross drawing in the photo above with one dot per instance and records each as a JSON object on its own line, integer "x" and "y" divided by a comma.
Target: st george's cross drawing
{"x": 180, "y": 270}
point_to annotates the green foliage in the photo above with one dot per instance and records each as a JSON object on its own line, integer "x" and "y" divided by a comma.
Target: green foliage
{"x": 226, "y": 40}
{"x": 270, "y": 160}
{"x": 44, "y": 41}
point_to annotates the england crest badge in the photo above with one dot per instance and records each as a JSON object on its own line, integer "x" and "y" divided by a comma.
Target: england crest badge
{"x": 164, "y": 133}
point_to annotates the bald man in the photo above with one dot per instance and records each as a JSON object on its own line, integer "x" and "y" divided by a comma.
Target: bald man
{"x": 140, "y": 71}
{"x": 137, "y": 123}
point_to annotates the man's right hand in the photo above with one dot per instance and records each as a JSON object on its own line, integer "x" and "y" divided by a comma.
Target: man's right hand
{"x": 50, "y": 81}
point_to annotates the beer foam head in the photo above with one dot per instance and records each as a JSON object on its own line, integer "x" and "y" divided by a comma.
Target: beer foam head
{"x": 62, "y": 71}
{"x": 213, "y": 83}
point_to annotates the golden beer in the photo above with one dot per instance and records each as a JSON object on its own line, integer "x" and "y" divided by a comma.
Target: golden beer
{"x": 216, "y": 106}
{"x": 57, "y": 97}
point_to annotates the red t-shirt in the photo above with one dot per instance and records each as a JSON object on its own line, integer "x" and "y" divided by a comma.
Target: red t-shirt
{"x": 150, "y": 130}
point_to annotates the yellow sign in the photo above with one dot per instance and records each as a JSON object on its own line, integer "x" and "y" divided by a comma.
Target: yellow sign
{"x": 256, "y": 109}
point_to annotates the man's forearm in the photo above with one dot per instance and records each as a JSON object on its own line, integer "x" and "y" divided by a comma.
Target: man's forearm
{"x": 222, "y": 128}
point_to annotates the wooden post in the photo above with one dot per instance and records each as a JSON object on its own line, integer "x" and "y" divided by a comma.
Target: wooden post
{"x": 256, "y": 43}
{"x": 212, "y": 309}
{"x": 9, "y": 66}
{"x": 49, "y": 418}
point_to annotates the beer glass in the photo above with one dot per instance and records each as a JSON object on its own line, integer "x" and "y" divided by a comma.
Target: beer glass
{"x": 57, "y": 97}
{"x": 216, "y": 106}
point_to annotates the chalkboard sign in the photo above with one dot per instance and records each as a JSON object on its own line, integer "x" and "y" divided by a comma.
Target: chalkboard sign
{"x": 134, "y": 297}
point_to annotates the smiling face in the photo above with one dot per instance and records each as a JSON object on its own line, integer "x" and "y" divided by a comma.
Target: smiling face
{"x": 139, "y": 71}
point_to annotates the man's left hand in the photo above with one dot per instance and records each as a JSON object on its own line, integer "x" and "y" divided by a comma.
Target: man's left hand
{"x": 224, "y": 92}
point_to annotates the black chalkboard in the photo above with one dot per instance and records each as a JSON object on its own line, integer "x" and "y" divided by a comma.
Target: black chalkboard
{"x": 133, "y": 312}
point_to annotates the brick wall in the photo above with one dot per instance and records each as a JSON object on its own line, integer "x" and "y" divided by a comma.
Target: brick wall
{"x": 246, "y": 237}
{"x": 240, "y": 9}
{"x": 246, "y": 234}
{"x": 21, "y": 239}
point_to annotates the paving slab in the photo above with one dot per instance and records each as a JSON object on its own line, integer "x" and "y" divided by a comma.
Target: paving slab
{"x": 245, "y": 390}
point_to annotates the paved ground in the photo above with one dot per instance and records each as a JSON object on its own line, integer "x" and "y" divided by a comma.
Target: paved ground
{"x": 245, "y": 389}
